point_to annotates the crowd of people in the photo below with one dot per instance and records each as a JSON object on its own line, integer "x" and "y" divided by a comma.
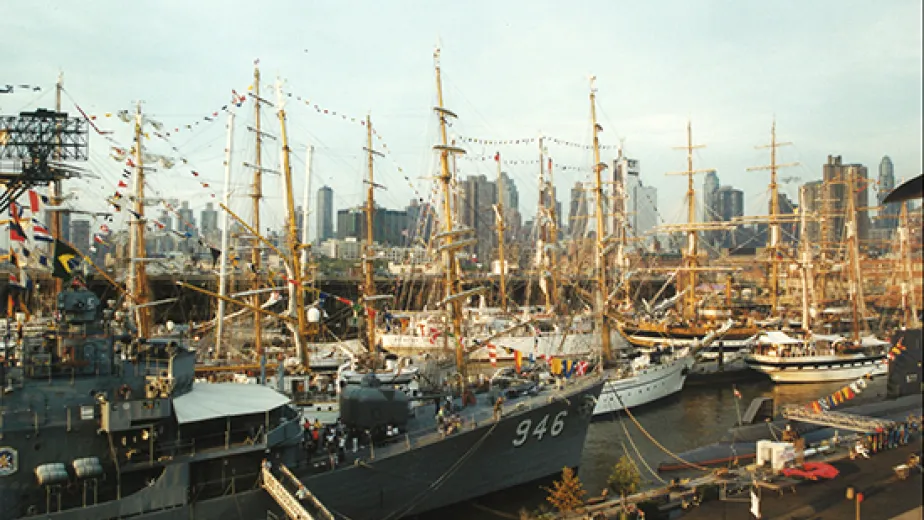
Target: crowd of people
{"x": 335, "y": 439}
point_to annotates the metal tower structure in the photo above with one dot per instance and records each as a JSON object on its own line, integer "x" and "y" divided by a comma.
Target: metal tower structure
{"x": 38, "y": 144}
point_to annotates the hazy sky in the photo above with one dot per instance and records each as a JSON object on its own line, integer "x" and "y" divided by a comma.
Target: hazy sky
{"x": 841, "y": 77}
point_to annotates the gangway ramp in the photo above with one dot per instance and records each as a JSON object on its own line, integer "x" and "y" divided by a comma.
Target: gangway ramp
{"x": 292, "y": 505}
{"x": 839, "y": 420}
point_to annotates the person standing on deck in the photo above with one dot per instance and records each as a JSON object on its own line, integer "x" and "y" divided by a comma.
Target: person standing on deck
{"x": 498, "y": 408}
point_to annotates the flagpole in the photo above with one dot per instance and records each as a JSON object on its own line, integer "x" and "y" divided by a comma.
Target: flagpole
{"x": 737, "y": 396}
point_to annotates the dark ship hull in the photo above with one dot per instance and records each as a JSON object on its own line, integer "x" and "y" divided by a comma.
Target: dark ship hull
{"x": 467, "y": 465}
{"x": 535, "y": 440}
{"x": 462, "y": 467}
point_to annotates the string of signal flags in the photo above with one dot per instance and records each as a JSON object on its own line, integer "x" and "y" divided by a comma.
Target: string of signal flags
{"x": 521, "y": 162}
{"x": 531, "y": 140}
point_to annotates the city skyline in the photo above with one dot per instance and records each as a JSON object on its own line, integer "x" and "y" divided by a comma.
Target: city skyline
{"x": 838, "y": 91}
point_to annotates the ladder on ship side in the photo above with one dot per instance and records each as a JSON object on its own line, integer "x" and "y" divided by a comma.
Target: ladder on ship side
{"x": 840, "y": 420}
{"x": 291, "y": 505}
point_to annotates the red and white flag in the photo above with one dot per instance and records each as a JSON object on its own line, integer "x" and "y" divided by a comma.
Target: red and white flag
{"x": 492, "y": 354}
{"x": 581, "y": 368}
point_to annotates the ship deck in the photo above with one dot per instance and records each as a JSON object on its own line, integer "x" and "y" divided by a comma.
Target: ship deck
{"x": 422, "y": 426}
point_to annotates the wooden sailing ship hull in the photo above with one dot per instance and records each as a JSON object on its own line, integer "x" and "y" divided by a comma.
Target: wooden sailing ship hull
{"x": 650, "y": 335}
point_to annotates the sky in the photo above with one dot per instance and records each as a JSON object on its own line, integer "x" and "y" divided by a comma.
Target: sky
{"x": 839, "y": 77}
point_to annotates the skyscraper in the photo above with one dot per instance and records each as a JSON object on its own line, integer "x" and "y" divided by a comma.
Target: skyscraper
{"x": 420, "y": 221}
{"x": 729, "y": 204}
{"x": 325, "y": 214}
{"x": 641, "y": 201}
{"x": 888, "y": 214}
{"x": 166, "y": 220}
{"x": 389, "y": 226}
{"x": 836, "y": 176}
{"x": 710, "y": 208}
{"x": 209, "y": 219}
{"x": 80, "y": 234}
{"x": 710, "y": 187}
{"x": 187, "y": 221}
{"x": 814, "y": 203}
{"x": 511, "y": 201}
{"x": 65, "y": 231}
{"x": 577, "y": 211}
{"x": 476, "y": 212}
{"x": 789, "y": 231}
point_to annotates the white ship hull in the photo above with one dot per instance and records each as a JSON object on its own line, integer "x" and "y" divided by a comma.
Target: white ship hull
{"x": 816, "y": 369}
{"x": 646, "y": 386}
{"x": 636, "y": 339}
{"x": 408, "y": 345}
{"x": 550, "y": 344}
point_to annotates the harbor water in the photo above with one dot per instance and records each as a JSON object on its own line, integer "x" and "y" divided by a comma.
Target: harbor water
{"x": 695, "y": 417}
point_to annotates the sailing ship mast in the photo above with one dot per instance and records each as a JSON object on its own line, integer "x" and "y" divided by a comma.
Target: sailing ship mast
{"x": 256, "y": 195}
{"x": 621, "y": 235}
{"x": 855, "y": 283}
{"x": 548, "y": 191}
{"x": 369, "y": 253}
{"x": 806, "y": 263}
{"x": 909, "y": 294}
{"x": 502, "y": 258}
{"x": 449, "y": 247}
{"x": 691, "y": 252}
{"x": 137, "y": 280}
{"x": 292, "y": 238}
{"x": 541, "y": 257}
{"x": 225, "y": 231}
{"x": 773, "y": 245}
{"x": 603, "y": 325}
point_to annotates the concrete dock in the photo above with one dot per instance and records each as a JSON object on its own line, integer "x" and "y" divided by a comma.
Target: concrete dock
{"x": 885, "y": 495}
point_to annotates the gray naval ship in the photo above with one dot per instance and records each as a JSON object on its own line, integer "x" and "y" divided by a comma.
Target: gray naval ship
{"x": 98, "y": 424}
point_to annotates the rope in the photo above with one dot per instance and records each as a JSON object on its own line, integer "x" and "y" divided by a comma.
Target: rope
{"x": 638, "y": 453}
{"x": 398, "y": 513}
{"x": 493, "y": 511}
{"x": 658, "y": 444}
{"x": 773, "y": 433}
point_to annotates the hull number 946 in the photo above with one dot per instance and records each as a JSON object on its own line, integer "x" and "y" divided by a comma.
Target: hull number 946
{"x": 525, "y": 428}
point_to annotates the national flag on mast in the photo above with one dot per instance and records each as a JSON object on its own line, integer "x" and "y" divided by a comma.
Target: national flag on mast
{"x": 497, "y": 156}
{"x": 737, "y": 393}
{"x": 66, "y": 259}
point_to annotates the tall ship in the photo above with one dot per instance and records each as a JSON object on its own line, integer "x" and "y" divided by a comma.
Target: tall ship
{"x": 695, "y": 324}
{"x": 648, "y": 374}
{"x": 807, "y": 355}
